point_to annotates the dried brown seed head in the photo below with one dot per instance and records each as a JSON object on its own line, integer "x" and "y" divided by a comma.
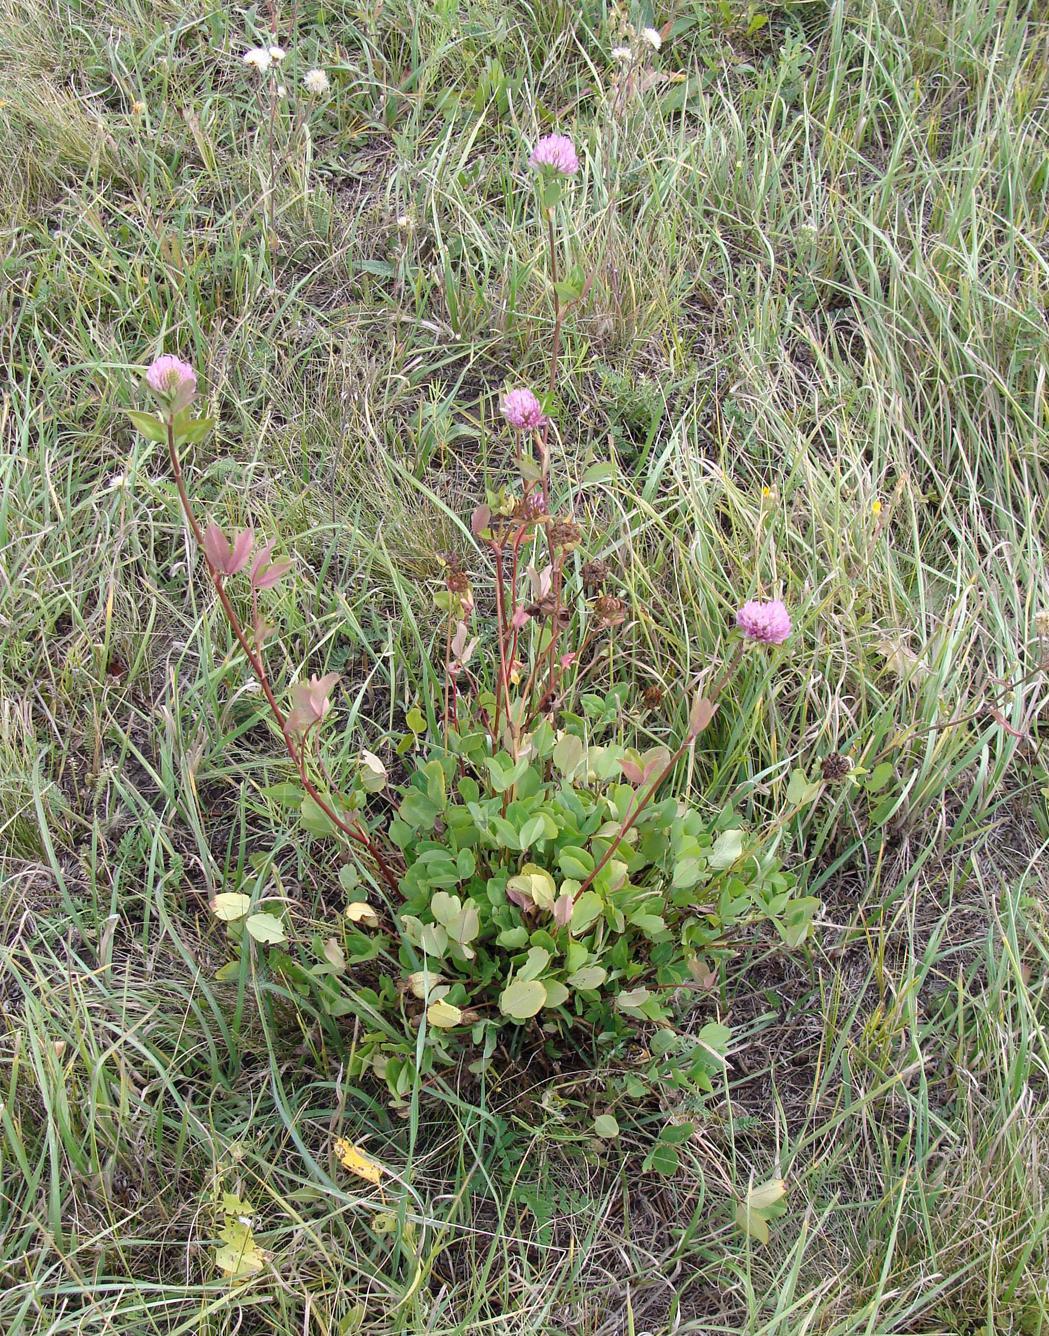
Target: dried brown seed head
{"x": 564, "y": 533}
{"x": 594, "y": 574}
{"x": 835, "y": 767}
{"x": 610, "y": 611}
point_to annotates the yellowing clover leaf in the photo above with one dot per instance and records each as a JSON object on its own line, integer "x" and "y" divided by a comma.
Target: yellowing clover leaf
{"x": 361, "y": 912}
{"x": 763, "y": 1202}
{"x": 238, "y": 1255}
{"x": 522, "y": 999}
{"x": 766, "y": 1195}
{"x": 230, "y": 906}
{"x": 443, "y": 1015}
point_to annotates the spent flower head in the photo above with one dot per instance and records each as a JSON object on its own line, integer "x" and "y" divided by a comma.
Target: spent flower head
{"x": 556, "y": 153}
{"x": 835, "y": 767}
{"x": 610, "y": 610}
{"x": 523, "y": 410}
{"x": 316, "y": 82}
{"x": 564, "y": 533}
{"x": 173, "y": 381}
{"x": 652, "y": 37}
{"x": 767, "y": 622}
{"x": 594, "y": 574}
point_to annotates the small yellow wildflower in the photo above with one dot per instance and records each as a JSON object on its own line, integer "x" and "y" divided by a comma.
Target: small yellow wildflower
{"x": 875, "y": 508}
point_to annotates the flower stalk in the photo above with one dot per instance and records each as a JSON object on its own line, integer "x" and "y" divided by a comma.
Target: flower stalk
{"x": 351, "y": 828}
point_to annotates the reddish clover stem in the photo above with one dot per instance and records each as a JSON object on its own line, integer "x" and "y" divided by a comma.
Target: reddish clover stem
{"x": 447, "y": 673}
{"x": 555, "y": 355}
{"x": 643, "y": 801}
{"x": 628, "y": 824}
{"x": 500, "y": 616}
{"x": 555, "y": 630}
{"x": 513, "y": 596}
{"x": 354, "y": 831}
{"x": 553, "y": 702}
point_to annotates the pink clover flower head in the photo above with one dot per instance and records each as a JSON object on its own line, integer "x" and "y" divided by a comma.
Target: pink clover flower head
{"x": 767, "y": 622}
{"x": 556, "y": 152}
{"x": 173, "y": 381}
{"x": 522, "y": 410}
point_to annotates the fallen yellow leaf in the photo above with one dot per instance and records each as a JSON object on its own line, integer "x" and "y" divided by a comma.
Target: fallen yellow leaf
{"x": 357, "y": 1162}
{"x": 443, "y": 1015}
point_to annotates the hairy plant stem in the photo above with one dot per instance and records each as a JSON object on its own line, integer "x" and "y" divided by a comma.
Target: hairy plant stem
{"x": 353, "y": 830}
{"x": 555, "y": 347}
{"x": 271, "y": 201}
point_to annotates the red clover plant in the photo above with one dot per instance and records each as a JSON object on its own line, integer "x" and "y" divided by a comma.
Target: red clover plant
{"x": 532, "y": 868}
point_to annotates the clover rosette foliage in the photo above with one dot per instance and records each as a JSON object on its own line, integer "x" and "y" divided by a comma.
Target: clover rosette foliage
{"x": 524, "y": 899}
{"x": 554, "y": 890}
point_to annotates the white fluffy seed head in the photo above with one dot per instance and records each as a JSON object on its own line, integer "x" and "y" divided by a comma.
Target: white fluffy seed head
{"x": 259, "y": 58}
